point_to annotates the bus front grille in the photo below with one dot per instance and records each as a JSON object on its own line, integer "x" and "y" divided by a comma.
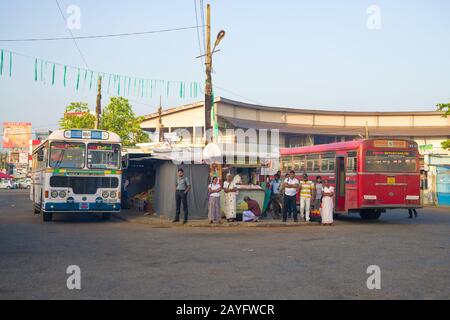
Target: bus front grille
{"x": 83, "y": 185}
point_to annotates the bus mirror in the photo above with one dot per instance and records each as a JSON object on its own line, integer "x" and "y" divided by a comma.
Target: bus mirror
{"x": 40, "y": 155}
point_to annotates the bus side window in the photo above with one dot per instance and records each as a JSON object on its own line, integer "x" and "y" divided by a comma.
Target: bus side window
{"x": 328, "y": 162}
{"x": 312, "y": 163}
{"x": 299, "y": 164}
{"x": 324, "y": 166}
{"x": 316, "y": 165}
{"x": 331, "y": 165}
{"x": 351, "y": 162}
{"x": 286, "y": 164}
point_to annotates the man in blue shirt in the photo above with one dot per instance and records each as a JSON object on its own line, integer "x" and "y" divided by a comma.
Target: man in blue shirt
{"x": 276, "y": 198}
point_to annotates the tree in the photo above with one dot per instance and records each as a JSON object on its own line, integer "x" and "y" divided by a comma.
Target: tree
{"x": 445, "y": 108}
{"x": 119, "y": 117}
{"x": 77, "y": 116}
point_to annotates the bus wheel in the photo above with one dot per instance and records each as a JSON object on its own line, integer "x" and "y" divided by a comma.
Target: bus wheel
{"x": 47, "y": 216}
{"x": 370, "y": 214}
{"x": 106, "y": 216}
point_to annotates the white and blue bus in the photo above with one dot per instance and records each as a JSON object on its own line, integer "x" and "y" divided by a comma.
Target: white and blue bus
{"x": 77, "y": 171}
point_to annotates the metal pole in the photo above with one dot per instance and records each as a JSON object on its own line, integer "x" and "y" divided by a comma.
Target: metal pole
{"x": 98, "y": 106}
{"x": 208, "y": 63}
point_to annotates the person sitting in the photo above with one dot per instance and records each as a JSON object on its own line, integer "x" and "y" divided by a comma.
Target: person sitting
{"x": 254, "y": 211}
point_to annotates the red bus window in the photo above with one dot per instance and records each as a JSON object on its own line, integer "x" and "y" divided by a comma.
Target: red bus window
{"x": 391, "y": 161}
{"x": 312, "y": 162}
{"x": 299, "y": 164}
{"x": 286, "y": 164}
{"x": 352, "y": 163}
{"x": 328, "y": 162}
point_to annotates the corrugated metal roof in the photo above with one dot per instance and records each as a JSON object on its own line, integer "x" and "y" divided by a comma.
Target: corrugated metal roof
{"x": 291, "y": 110}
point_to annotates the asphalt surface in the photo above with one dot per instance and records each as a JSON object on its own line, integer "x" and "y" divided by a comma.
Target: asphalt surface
{"x": 122, "y": 260}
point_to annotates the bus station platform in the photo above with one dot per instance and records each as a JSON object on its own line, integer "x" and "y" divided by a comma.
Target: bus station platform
{"x": 154, "y": 221}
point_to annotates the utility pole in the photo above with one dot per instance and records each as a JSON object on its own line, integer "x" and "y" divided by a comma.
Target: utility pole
{"x": 208, "y": 64}
{"x": 367, "y": 130}
{"x": 160, "y": 125}
{"x": 98, "y": 106}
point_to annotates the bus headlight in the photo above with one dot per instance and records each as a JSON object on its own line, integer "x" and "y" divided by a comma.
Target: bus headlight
{"x": 105, "y": 194}
{"x": 54, "y": 194}
{"x": 62, "y": 194}
{"x": 113, "y": 194}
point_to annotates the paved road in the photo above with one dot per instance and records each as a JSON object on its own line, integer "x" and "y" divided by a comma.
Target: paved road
{"x": 121, "y": 260}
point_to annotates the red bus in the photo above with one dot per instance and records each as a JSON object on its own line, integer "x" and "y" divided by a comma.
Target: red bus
{"x": 369, "y": 176}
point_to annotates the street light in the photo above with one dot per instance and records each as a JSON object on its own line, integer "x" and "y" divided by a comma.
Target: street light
{"x": 219, "y": 38}
{"x": 208, "y": 70}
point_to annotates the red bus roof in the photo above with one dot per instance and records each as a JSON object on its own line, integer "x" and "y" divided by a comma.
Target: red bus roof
{"x": 347, "y": 145}
{"x": 323, "y": 147}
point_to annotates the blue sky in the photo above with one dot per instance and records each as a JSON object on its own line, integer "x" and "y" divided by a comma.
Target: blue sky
{"x": 301, "y": 54}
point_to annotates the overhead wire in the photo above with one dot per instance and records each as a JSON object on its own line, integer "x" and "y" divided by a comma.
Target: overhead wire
{"x": 113, "y": 35}
{"x": 201, "y": 50}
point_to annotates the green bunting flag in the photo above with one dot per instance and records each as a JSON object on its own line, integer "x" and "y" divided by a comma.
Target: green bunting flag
{"x": 78, "y": 80}
{"x": 65, "y": 76}
{"x": 42, "y": 71}
{"x": 10, "y": 63}
{"x": 1, "y": 62}
{"x": 36, "y": 70}
{"x": 90, "y": 81}
{"x": 109, "y": 82}
{"x": 53, "y": 74}
{"x": 82, "y": 78}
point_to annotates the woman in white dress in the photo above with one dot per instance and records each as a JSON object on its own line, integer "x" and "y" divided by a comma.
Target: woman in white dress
{"x": 230, "y": 189}
{"x": 327, "y": 204}
{"x": 214, "y": 201}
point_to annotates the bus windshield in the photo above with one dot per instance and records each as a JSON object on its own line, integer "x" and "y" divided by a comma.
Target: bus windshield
{"x": 67, "y": 154}
{"x": 391, "y": 161}
{"x": 103, "y": 156}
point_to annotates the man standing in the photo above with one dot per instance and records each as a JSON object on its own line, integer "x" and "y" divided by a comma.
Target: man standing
{"x": 290, "y": 191}
{"x": 182, "y": 187}
{"x": 306, "y": 194}
{"x": 318, "y": 197}
{"x": 275, "y": 196}
{"x": 125, "y": 201}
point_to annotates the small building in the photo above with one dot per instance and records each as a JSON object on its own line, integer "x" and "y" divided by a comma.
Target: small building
{"x": 304, "y": 127}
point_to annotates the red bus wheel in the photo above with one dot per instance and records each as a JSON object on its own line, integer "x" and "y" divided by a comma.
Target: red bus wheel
{"x": 370, "y": 214}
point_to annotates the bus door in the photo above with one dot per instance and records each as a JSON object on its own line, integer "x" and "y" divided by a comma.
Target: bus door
{"x": 340, "y": 184}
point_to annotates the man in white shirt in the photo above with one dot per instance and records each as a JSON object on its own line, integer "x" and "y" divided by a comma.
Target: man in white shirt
{"x": 290, "y": 200}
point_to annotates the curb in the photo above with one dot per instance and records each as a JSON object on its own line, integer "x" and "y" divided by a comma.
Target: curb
{"x": 168, "y": 224}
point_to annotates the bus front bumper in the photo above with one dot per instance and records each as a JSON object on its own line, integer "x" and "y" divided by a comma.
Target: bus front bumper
{"x": 81, "y": 207}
